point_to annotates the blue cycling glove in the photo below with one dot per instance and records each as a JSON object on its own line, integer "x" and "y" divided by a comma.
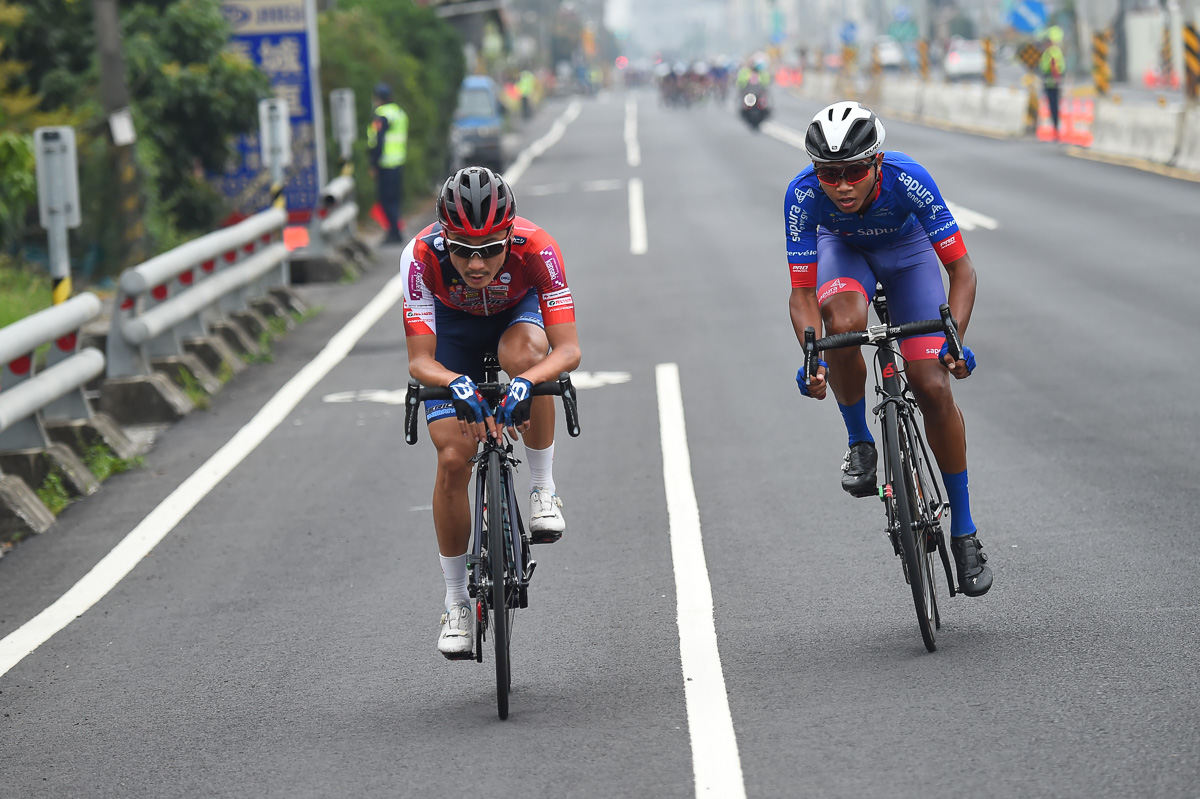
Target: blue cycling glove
{"x": 967, "y": 356}
{"x": 800, "y": 378}
{"x": 469, "y": 404}
{"x": 513, "y": 410}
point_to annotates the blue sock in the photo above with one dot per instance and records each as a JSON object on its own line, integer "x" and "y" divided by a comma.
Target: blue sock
{"x": 960, "y": 504}
{"x": 855, "y": 417}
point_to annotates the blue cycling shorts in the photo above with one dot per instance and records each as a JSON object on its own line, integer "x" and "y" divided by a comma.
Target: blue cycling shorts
{"x": 463, "y": 339}
{"x": 909, "y": 271}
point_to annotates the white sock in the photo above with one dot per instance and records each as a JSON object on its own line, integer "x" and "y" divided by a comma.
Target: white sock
{"x": 454, "y": 570}
{"x": 541, "y": 467}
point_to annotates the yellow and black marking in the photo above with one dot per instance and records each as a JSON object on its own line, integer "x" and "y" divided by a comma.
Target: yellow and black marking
{"x": 989, "y": 62}
{"x": 1101, "y": 72}
{"x": 1191, "y": 60}
{"x": 876, "y": 67}
{"x": 1165, "y": 51}
{"x": 849, "y": 59}
{"x": 60, "y": 291}
{"x": 277, "y": 196}
{"x": 1030, "y": 56}
{"x": 923, "y": 56}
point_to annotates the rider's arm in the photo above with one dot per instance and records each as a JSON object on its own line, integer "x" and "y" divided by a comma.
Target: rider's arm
{"x": 805, "y": 311}
{"x": 564, "y": 354}
{"x": 962, "y": 291}
{"x": 420, "y": 324}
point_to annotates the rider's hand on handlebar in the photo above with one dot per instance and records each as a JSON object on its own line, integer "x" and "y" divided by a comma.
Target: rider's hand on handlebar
{"x": 513, "y": 411}
{"x": 961, "y": 368}
{"x": 818, "y": 387}
{"x": 474, "y": 416}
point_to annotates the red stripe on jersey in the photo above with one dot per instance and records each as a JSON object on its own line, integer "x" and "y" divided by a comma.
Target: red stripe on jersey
{"x": 921, "y": 348}
{"x": 414, "y": 325}
{"x": 804, "y": 276}
{"x": 950, "y": 248}
{"x": 558, "y": 307}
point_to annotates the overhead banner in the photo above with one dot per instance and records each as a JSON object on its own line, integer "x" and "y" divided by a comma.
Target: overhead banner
{"x": 280, "y": 36}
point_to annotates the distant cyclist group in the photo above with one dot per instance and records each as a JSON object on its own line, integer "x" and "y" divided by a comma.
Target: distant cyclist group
{"x": 482, "y": 280}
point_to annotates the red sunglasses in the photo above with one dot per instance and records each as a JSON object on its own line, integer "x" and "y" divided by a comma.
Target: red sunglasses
{"x": 854, "y": 173}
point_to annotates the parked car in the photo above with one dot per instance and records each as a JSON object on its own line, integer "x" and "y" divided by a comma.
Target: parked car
{"x": 891, "y": 54}
{"x": 964, "y": 60}
{"x": 476, "y": 133}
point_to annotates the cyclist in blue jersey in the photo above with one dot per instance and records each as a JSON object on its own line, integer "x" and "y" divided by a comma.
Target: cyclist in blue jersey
{"x": 856, "y": 216}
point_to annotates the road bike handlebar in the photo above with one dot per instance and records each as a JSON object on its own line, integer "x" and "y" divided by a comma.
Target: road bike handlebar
{"x": 493, "y": 393}
{"x": 878, "y": 334}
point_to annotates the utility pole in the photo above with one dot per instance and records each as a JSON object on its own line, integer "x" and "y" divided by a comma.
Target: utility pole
{"x": 114, "y": 94}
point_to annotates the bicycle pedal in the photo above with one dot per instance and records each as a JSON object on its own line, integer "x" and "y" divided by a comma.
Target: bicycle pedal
{"x": 544, "y": 537}
{"x": 529, "y": 571}
{"x": 460, "y": 656}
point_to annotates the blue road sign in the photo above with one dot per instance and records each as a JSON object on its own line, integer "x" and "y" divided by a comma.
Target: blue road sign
{"x": 1028, "y": 16}
{"x": 849, "y": 33}
{"x": 275, "y": 35}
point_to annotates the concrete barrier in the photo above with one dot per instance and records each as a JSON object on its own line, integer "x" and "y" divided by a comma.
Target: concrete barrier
{"x": 1189, "y": 142}
{"x": 901, "y": 96}
{"x": 1005, "y": 110}
{"x": 1136, "y": 131}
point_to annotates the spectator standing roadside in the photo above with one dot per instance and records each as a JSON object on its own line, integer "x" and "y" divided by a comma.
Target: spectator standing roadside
{"x": 1052, "y": 68}
{"x": 387, "y": 145}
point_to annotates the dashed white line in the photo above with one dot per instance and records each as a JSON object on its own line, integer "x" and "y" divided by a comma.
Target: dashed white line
{"x": 105, "y": 575}
{"x": 633, "y": 151}
{"x": 716, "y": 765}
{"x": 638, "y": 243}
{"x": 601, "y": 185}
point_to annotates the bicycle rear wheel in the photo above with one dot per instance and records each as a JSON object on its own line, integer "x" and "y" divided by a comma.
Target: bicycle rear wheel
{"x": 900, "y": 462}
{"x": 496, "y": 567}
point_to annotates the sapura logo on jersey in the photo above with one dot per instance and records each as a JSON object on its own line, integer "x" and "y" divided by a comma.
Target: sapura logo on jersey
{"x": 870, "y": 231}
{"x": 804, "y": 194}
{"x": 916, "y": 190}
{"x": 797, "y": 219}
{"x": 934, "y": 351}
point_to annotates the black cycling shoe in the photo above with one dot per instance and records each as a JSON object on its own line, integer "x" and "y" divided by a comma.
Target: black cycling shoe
{"x": 974, "y": 575}
{"x": 858, "y": 470}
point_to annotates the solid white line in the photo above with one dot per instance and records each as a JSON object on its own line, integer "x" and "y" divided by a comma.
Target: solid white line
{"x": 633, "y": 151}
{"x": 105, "y": 575}
{"x": 783, "y": 133}
{"x": 637, "y": 218}
{"x": 715, "y": 762}
{"x": 522, "y": 161}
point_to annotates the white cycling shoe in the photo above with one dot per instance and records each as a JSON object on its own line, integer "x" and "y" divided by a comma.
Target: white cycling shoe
{"x": 457, "y": 636}
{"x": 546, "y": 523}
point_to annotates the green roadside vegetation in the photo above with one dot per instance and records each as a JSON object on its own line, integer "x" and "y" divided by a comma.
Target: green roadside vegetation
{"x": 22, "y": 291}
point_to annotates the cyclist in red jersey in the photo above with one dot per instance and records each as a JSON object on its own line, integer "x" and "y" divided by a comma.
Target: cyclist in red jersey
{"x": 482, "y": 279}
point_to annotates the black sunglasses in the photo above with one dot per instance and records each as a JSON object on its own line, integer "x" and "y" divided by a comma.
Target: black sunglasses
{"x": 485, "y": 251}
{"x": 854, "y": 173}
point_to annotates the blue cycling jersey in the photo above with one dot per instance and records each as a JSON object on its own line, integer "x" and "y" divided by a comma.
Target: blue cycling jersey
{"x": 906, "y": 197}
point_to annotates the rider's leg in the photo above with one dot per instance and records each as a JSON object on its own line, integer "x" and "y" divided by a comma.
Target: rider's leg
{"x": 451, "y": 504}
{"x": 847, "y": 373}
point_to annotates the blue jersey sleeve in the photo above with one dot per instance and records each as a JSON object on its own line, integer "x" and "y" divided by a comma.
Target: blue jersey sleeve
{"x": 800, "y": 216}
{"x": 917, "y": 190}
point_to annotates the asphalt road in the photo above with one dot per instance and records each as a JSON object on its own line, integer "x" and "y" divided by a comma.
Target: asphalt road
{"x": 280, "y": 640}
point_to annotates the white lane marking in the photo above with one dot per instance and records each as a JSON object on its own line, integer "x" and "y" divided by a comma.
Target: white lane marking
{"x": 582, "y": 380}
{"x": 716, "y": 766}
{"x": 522, "y": 161}
{"x": 602, "y": 185}
{"x": 105, "y": 575}
{"x": 966, "y": 218}
{"x": 637, "y": 218}
{"x": 546, "y": 188}
{"x": 969, "y": 219}
{"x": 633, "y": 151}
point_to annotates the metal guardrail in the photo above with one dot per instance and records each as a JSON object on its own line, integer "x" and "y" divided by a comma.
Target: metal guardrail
{"x": 188, "y": 292}
{"x": 29, "y": 397}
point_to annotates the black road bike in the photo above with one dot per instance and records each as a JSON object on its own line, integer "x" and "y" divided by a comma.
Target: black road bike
{"x": 499, "y": 566}
{"x": 910, "y": 492}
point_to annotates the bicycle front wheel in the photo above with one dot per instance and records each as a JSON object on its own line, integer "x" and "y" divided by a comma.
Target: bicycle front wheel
{"x": 900, "y": 460}
{"x": 497, "y": 556}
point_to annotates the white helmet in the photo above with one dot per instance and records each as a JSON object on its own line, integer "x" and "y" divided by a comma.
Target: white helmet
{"x": 844, "y": 131}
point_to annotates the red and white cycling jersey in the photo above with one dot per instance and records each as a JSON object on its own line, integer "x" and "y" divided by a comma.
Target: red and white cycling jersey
{"x": 534, "y": 262}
